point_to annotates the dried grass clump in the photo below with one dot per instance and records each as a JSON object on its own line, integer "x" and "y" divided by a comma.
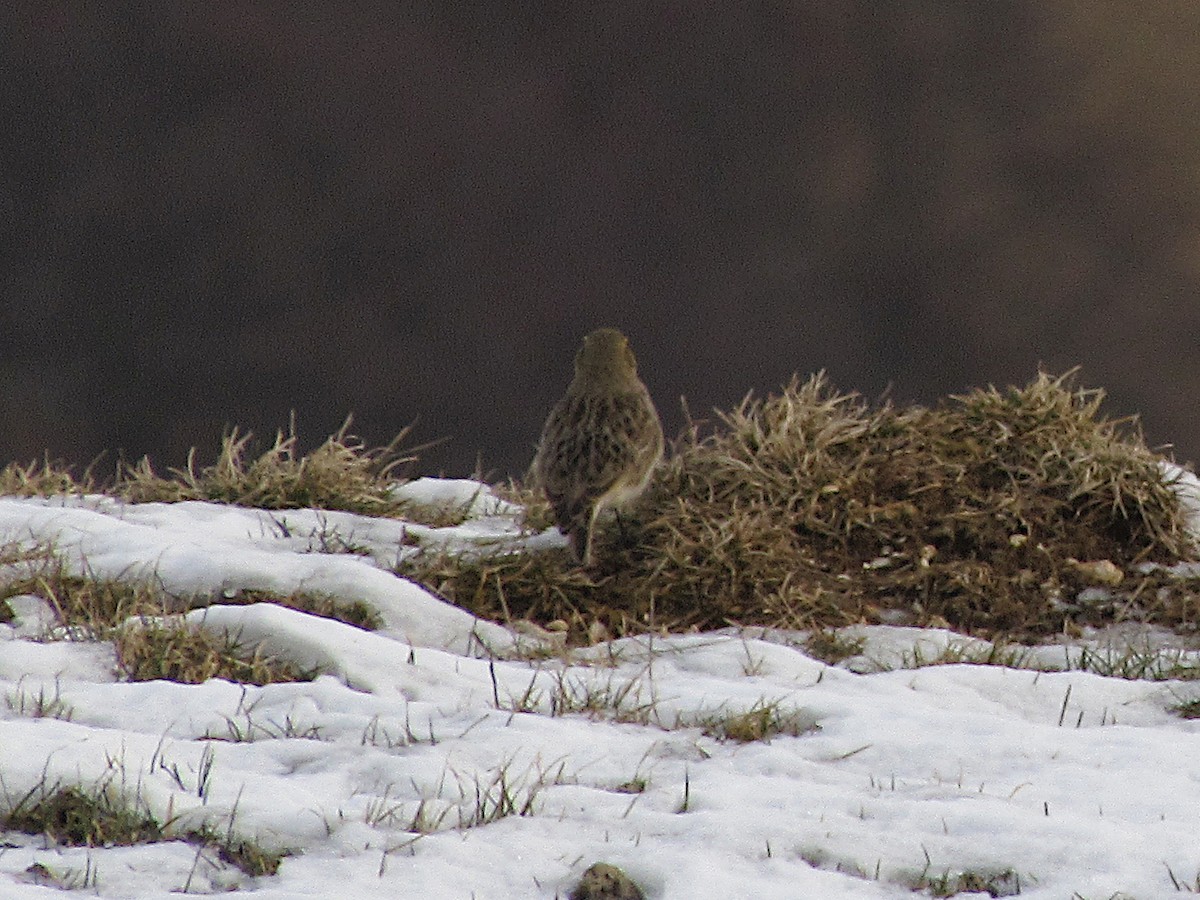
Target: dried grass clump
{"x": 543, "y": 588}
{"x": 358, "y": 613}
{"x": 47, "y": 478}
{"x": 104, "y": 816}
{"x": 72, "y": 817}
{"x": 87, "y": 607}
{"x": 149, "y": 644}
{"x": 812, "y": 508}
{"x": 342, "y": 473}
{"x": 763, "y": 721}
{"x": 989, "y": 513}
{"x": 176, "y": 651}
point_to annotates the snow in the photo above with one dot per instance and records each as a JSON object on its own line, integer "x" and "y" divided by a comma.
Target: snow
{"x": 1053, "y": 784}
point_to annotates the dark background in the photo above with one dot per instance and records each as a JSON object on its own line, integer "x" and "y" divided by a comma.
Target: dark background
{"x": 214, "y": 213}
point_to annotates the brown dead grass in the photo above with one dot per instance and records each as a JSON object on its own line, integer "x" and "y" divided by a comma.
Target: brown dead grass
{"x": 45, "y": 479}
{"x": 815, "y": 509}
{"x": 88, "y": 607}
{"x": 326, "y": 606}
{"x": 176, "y": 651}
{"x": 342, "y": 474}
{"x": 136, "y": 616}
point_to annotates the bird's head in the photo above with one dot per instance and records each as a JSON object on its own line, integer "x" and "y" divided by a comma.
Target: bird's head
{"x": 605, "y": 356}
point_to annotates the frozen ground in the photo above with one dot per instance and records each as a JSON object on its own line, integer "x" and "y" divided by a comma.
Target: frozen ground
{"x": 389, "y": 775}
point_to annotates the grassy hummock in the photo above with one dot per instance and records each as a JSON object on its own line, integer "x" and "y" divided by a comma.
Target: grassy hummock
{"x": 989, "y": 512}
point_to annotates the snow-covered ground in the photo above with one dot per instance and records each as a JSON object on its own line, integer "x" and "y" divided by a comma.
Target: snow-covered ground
{"x": 376, "y": 776}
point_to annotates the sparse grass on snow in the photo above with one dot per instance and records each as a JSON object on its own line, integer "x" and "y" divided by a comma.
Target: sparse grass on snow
{"x": 139, "y": 618}
{"x": 1004, "y": 515}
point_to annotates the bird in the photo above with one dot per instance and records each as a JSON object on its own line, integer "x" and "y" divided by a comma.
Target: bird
{"x": 601, "y": 441}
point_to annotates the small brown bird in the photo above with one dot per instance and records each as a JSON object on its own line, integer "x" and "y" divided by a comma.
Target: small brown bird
{"x": 601, "y": 441}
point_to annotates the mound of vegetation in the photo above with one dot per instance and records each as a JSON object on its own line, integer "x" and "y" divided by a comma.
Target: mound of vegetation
{"x": 993, "y": 512}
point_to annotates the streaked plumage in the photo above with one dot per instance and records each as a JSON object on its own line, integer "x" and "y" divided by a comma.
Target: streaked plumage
{"x": 601, "y": 441}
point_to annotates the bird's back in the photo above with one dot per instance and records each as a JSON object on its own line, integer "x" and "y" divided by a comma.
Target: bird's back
{"x": 601, "y": 441}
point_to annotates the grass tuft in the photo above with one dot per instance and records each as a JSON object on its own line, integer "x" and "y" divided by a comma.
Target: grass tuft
{"x": 326, "y": 606}
{"x": 47, "y": 478}
{"x": 1136, "y": 663}
{"x": 76, "y": 818}
{"x": 104, "y": 816}
{"x": 342, "y": 474}
{"x": 87, "y": 607}
{"x": 152, "y": 650}
{"x": 137, "y": 617}
{"x": 1004, "y": 883}
{"x": 249, "y": 857}
{"x": 1188, "y": 709}
{"x": 42, "y": 705}
{"x": 538, "y": 587}
{"x": 831, "y": 646}
{"x": 761, "y": 722}
{"x": 956, "y": 653}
